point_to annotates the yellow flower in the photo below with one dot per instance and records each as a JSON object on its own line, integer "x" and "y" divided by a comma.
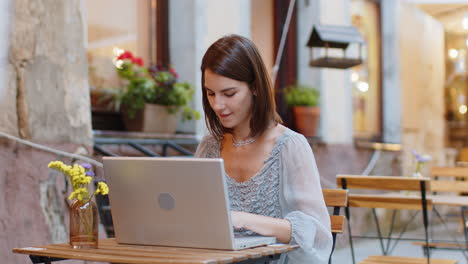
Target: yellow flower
{"x": 80, "y": 180}
{"x": 102, "y": 188}
{"x": 80, "y": 194}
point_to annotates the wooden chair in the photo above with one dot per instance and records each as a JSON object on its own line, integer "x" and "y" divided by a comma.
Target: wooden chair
{"x": 396, "y": 201}
{"x": 460, "y": 172}
{"x": 444, "y": 183}
{"x": 336, "y": 199}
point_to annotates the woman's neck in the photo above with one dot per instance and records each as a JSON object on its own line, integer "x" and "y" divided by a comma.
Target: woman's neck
{"x": 241, "y": 134}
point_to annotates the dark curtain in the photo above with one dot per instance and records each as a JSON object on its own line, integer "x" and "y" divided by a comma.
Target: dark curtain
{"x": 287, "y": 73}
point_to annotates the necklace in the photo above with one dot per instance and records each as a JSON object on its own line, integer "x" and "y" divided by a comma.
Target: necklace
{"x": 242, "y": 143}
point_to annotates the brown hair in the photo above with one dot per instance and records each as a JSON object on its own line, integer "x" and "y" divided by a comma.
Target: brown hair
{"x": 237, "y": 58}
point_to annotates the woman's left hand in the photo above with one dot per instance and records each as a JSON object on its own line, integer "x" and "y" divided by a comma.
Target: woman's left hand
{"x": 263, "y": 225}
{"x": 238, "y": 219}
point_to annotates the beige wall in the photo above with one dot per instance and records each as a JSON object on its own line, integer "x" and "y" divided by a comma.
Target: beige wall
{"x": 262, "y": 30}
{"x": 422, "y": 72}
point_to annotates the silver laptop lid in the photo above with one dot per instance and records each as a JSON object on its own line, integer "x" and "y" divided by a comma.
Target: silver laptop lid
{"x": 169, "y": 201}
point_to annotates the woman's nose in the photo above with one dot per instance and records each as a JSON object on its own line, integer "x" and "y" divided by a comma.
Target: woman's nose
{"x": 218, "y": 104}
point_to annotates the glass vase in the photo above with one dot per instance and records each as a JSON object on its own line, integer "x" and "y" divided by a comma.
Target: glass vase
{"x": 83, "y": 224}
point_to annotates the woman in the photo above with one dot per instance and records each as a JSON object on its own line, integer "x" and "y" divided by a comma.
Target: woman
{"x": 273, "y": 181}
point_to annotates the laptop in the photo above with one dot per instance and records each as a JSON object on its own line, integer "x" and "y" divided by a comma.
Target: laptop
{"x": 180, "y": 202}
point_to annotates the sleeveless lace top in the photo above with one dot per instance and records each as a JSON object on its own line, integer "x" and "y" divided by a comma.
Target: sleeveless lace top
{"x": 259, "y": 194}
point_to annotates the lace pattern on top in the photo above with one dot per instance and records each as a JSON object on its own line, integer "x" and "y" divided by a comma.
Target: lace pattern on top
{"x": 259, "y": 194}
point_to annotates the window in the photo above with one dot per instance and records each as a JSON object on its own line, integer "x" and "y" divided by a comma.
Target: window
{"x": 366, "y": 78}
{"x": 113, "y": 25}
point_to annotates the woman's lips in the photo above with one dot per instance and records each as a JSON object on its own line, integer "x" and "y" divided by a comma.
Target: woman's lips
{"x": 224, "y": 116}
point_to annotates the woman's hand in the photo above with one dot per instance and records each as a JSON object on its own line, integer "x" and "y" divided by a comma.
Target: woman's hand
{"x": 237, "y": 219}
{"x": 263, "y": 225}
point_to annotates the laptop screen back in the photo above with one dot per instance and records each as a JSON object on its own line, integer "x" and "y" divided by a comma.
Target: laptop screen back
{"x": 169, "y": 201}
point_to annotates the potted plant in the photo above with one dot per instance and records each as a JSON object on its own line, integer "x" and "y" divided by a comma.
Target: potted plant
{"x": 304, "y": 101}
{"x": 153, "y": 98}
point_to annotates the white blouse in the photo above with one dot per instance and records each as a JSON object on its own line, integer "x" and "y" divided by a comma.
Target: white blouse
{"x": 288, "y": 187}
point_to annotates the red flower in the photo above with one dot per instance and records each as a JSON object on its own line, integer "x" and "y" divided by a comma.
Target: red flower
{"x": 126, "y": 55}
{"x": 138, "y": 61}
{"x": 174, "y": 73}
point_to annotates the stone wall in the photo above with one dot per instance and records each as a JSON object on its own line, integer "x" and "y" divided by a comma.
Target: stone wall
{"x": 44, "y": 99}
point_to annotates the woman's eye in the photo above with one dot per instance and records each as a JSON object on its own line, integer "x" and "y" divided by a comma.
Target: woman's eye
{"x": 230, "y": 94}
{"x": 210, "y": 94}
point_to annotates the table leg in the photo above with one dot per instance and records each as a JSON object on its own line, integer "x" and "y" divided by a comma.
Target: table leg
{"x": 42, "y": 259}
{"x": 262, "y": 260}
{"x": 463, "y": 209}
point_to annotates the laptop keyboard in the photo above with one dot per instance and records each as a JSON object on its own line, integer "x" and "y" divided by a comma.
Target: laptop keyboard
{"x": 251, "y": 241}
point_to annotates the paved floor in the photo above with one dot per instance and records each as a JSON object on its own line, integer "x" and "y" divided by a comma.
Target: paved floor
{"x": 364, "y": 248}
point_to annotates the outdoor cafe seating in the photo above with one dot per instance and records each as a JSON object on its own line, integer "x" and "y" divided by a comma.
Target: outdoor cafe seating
{"x": 448, "y": 186}
{"x": 399, "y": 198}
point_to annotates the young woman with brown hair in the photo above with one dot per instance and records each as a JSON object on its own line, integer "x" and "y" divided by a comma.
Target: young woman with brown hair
{"x": 273, "y": 181}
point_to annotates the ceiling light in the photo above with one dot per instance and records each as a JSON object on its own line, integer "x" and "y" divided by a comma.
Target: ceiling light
{"x": 462, "y": 109}
{"x": 354, "y": 77}
{"x": 362, "y": 86}
{"x": 465, "y": 22}
{"x": 453, "y": 53}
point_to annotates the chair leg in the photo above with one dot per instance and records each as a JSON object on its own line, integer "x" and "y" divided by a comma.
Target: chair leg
{"x": 379, "y": 232}
{"x": 465, "y": 231}
{"x": 333, "y": 248}
{"x": 348, "y": 217}
{"x": 425, "y": 220}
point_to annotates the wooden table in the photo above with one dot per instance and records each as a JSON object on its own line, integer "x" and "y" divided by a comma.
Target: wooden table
{"x": 110, "y": 251}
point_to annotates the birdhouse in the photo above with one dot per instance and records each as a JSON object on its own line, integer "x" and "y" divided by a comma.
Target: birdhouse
{"x": 334, "y": 37}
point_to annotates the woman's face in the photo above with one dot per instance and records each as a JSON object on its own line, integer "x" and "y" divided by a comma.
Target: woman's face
{"x": 230, "y": 99}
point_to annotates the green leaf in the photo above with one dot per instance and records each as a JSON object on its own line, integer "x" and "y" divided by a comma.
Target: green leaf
{"x": 301, "y": 95}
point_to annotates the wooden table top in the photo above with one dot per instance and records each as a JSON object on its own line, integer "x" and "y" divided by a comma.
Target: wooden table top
{"x": 110, "y": 251}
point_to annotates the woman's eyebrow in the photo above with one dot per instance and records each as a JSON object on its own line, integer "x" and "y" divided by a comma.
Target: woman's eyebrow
{"x": 223, "y": 90}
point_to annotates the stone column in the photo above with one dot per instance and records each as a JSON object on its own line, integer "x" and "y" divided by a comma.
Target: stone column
{"x": 336, "y": 126}
{"x": 337, "y": 121}
{"x": 391, "y": 108}
{"x": 194, "y": 25}
{"x": 44, "y": 97}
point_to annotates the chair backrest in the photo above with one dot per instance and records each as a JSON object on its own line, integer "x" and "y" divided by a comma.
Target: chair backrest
{"x": 441, "y": 179}
{"x": 387, "y": 183}
{"x": 461, "y": 172}
{"x": 336, "y": 199}
{"x": 449, "y": 186}
{"x": 392, "y": 200}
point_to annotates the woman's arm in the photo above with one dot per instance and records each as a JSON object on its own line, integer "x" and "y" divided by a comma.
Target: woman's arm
{"x": 263, "y": 225}
{"x": 302, "y": 203}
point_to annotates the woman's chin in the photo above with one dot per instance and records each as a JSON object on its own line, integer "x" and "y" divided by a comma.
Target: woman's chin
{"x": 229, "y": 126}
